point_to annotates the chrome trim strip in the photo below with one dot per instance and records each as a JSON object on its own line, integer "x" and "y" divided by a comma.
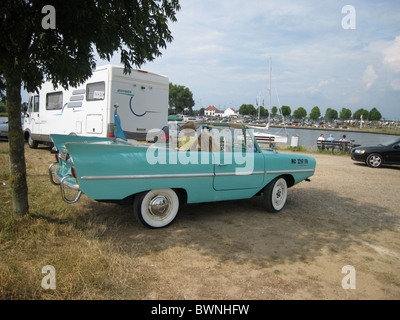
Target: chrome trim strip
{"x": 149, "y": 176}
{"x": 249, "y": 173}
{"x": 188, "y": 175}
{"x": 289, "y": 171}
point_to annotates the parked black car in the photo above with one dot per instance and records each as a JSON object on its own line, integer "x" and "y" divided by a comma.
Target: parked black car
{"x": 376, "y": 156}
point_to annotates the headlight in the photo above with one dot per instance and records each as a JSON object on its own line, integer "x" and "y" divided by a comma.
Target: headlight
{"x": 359, "y": 151}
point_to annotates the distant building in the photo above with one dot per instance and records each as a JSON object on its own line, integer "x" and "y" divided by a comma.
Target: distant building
{"x": 211, "y": 111}
{"x": 230, "y": 112}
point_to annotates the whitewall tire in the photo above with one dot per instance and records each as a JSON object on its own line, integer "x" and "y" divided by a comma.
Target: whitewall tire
{"x": 156, "y": 208}
{"x": 275, "y": 195}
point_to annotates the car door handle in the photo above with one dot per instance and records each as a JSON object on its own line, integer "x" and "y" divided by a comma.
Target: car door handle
{"x": 222, "y": 165}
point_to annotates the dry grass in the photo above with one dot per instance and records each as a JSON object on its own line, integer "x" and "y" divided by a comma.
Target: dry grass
{"x": 74, "y": 239}
{"x": 347, "y": 215}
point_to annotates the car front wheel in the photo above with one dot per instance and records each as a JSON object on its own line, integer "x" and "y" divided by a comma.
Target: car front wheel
{"x": 275, "y": 195}
{"x": 156, "y": 208}
{"x": 33, "y": 144}
{"x": 374, "y": 160}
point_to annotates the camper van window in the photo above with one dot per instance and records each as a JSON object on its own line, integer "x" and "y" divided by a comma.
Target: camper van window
{"x": 36, "y": 104}
{"x": 54, "y": 101}
{"x": 95, "y": 91}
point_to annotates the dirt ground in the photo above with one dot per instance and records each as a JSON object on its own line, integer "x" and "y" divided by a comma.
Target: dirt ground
{"x": 348, "y": 215}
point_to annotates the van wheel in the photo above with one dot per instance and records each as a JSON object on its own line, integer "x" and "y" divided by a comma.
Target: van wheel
{"x": 156, "y": 208}
{"x": 275, "y": 195}
{"x": 33, "y": 144}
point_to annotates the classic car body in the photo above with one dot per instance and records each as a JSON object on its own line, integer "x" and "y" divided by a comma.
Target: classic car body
{"x": 157, "y": 178}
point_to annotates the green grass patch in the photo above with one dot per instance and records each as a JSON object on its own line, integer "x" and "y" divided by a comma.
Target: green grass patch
{"x": 297, "y": 149}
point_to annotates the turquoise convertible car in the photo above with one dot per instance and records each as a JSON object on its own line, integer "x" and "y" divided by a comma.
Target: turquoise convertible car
{"x": 216, "y": 163}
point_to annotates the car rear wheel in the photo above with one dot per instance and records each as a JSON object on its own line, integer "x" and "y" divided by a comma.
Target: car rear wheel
{"x": 374, "y": 160}
{"x": 156, "y": 208}
{"x": 275, "y": 195}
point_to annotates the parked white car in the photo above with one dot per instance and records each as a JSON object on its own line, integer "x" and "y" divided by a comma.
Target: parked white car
{"x": 4, "y": 127}
{"x": 4, "y": 130}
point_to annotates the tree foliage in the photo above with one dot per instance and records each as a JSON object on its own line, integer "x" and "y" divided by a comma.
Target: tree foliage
{"x": 274, "y": 111}
{"x": 3, "y": 107}
{"x": 286, "y": 111}
{"x": 345, "y": 114}
{"x": 262, "y": 112}
{"x": 300, "y": 113}
{"x": 247, "y": 110}
{"x": 315, "y": 113}
{"x": 29, "y": 53}
{"x": 180, "y": 98}
{"x": 374, "y": 115}
{"x": 360, "y": 112}
{"x": 331, "y": 114}
{"x": 66, "y": 55}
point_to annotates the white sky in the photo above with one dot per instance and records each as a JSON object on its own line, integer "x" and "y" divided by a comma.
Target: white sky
{"x": 221, "y": 52}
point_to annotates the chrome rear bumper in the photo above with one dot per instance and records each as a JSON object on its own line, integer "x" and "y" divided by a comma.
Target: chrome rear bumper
{"x": 53, "y": 174}
{"x": 64, "y": 184}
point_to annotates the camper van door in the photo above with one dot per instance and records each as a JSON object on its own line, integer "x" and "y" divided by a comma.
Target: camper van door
{"x": 32, "y": 117}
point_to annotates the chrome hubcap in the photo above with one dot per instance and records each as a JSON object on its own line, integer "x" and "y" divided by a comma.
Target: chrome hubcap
{"x": 279, "y": 195}
{"x": 159, "y": 206}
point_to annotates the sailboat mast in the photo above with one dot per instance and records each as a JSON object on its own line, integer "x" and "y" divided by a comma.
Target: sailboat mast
{"x": 270, "y": 72}
{"x": 259, "y": 105}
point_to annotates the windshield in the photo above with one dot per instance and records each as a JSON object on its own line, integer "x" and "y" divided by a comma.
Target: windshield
{"x": 391, "y": 141}
{"x": 173, "y": 125}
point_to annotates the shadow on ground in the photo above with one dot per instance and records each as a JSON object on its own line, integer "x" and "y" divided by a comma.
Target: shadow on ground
{"x": 240, "y": 231}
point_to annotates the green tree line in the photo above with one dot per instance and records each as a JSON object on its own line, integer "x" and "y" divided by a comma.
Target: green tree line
{"x": 3, "y": 107}
{"x": 315, "y": 114}
{"x": 250, "y": 110}
{"x": 180, "y": 98}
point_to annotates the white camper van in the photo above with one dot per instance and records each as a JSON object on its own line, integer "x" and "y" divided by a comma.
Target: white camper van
{"x": 140, "y": 99}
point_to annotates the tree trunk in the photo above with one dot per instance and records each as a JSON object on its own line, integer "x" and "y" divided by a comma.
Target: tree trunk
{"x": 19, "y": 187}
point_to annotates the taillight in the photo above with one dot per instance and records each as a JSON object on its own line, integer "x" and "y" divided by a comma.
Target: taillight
{"x": 111, "y": 135}
{"x": 73, "y": 172}
{"x": 57, "y": 160}
{"x": 165, "y": 137}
